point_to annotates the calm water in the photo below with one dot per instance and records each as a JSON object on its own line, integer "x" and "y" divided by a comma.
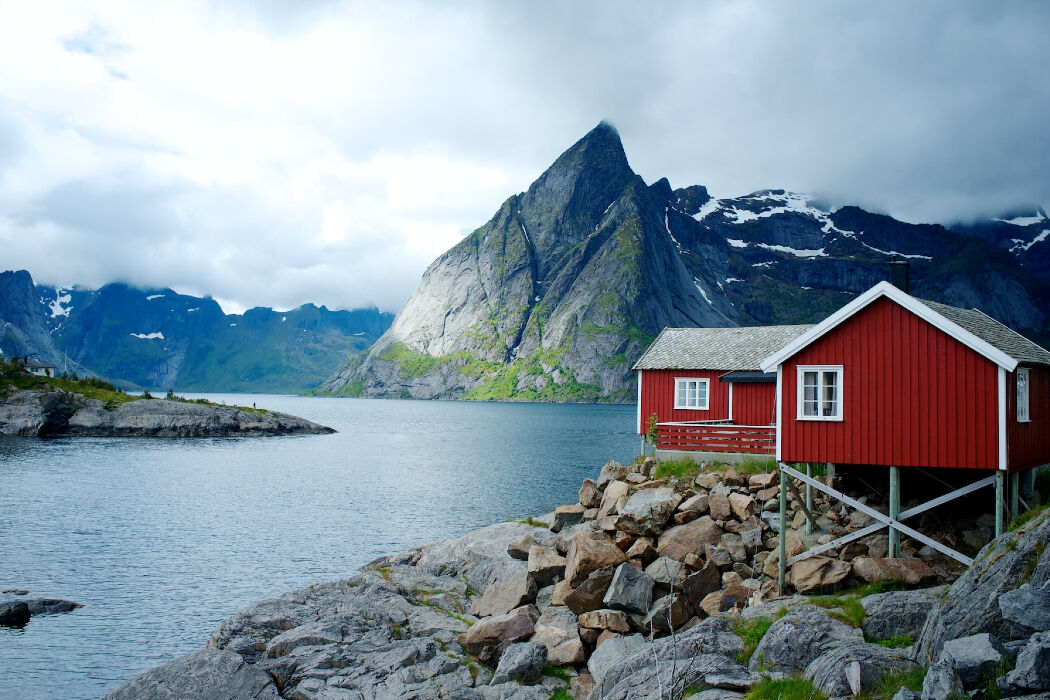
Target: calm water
{"x": 163, "y": 539}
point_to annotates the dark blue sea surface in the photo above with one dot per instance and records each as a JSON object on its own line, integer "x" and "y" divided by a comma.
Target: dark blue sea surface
{"x": 163, "y": 539}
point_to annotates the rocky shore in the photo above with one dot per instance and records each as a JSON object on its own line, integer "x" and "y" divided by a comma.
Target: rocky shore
{"x": 55, "y": 413}
{"x": 645, "y": 588}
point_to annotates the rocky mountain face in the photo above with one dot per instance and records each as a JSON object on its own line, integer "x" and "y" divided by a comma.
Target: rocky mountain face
{"x": 159, "y": 339}
{"x": 559, "y": 293}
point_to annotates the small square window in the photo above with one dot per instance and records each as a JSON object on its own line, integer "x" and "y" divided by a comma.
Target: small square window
{"x": 820, "y": 393}
{"x": 691, "y": 393}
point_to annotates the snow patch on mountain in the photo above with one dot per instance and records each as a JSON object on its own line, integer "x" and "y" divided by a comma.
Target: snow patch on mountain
{"x": 57, "y": 306}
{"x": 157, "y": 335}
{"x": 803, "y": 253}
{"x": 151, "y": 297}
{"x": 1020, "y": 246}
{"x": 1024, "y": 220}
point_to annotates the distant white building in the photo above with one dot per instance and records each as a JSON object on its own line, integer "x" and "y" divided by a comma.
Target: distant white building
{"x": 41, "y": 369}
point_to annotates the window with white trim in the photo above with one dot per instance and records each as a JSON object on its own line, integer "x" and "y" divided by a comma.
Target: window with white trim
{"x": 691, "y": 393}
{"x": 1022, "y": 396}
{"x": 819, "y": 392}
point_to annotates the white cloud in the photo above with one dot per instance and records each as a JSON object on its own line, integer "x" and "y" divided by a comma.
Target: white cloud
{"x": 279, "y": 153}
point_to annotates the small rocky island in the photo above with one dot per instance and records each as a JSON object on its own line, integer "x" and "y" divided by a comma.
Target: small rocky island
{"x": 56, "y": 407}
{"x": 648, "y": 587}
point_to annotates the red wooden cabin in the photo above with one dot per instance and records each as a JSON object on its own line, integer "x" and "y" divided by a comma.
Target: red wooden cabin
{"x": 706, "y": 390}
{"x": 890, "y": 379}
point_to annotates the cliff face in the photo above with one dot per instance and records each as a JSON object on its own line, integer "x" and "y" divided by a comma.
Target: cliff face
{"x": 553, "y": 298}
{"x": 557, "y": 295}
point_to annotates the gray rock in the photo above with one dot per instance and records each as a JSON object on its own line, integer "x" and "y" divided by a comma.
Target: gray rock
{"x": 204, "y": 674}
{"x": 694, "y": 504}
{"x": 1013, "y": 648}
{"x": 971, "y": 604}
{"x": 706, "y": 580}
{"x": 670, "y": 572}
{"x": 647, "y": 511}
{"x": 799, "y": 637}
{"x": 50, "y": 606}
{"x": 734, "y": 544}
{"x": 941, "y": 682}
{"x": 905, "y": 694}
{"x": 974, "y": 658}
{"x": 590, "y": 594}
{"x": 500, "y": 630}
{"x": 703, "y": 654}
{"x": 557, "y": 629}
{"x": 14, "y": 613}
{"x": 522, "y": 661}
{"x": 545, "y": 565}
{"x": 830, "y": 671}
{"x": 519, "y": 549}
{"x": 1027, "y": 607}
{"x": 567, "y": 516}
{"x": 590, "y": 495}
{"x": 1032, "y": 671}
{"x": 479, "y": 556}
{"x": 689, "y": 538}
{"x": 608, "y": 654}
{"x": 611, "y": 471}
{"x": 500, "y": 599}
{"x": 630, "y": 590}
{"x": 896, "y": 613}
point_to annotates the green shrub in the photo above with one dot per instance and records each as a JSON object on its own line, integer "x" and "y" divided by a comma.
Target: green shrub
{"x": 681, "y": 469}
{"x": 751, "y": 632}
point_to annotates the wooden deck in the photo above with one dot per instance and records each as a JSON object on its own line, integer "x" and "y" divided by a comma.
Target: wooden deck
{"x": 717, "y": 436}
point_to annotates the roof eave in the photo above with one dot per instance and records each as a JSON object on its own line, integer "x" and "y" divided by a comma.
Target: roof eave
{"x": 885, "y": 289}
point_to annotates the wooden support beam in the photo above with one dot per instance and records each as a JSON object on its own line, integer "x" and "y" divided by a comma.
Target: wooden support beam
{"x": 895, "y": 507}
{"x": 1015, "y": 493}
{"x": 810, "y": 520}
{"x": 810, "y": 524}
{"x": 1000, "y": 498}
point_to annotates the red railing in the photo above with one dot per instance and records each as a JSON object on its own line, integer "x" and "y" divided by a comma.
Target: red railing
{"x": 717, "y": 437}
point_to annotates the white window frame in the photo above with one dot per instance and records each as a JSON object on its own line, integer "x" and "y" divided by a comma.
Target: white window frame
{"x": 1024, "y": 414}
{"x": 705, "y": 381}
{"x": 799, "y": 391}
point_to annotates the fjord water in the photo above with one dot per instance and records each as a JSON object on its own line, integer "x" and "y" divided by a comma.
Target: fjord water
{"x": 163, "y": 539}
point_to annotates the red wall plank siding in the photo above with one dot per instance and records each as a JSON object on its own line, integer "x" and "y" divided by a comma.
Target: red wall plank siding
{"x": 912, "y": 396}
{"x": 1028, "y": 444}
{"x": 658, "y": 396}
{"x": 754, "y": 403}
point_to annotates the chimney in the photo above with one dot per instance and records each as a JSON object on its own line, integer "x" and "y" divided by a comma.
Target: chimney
{"x": 899, "y": 273}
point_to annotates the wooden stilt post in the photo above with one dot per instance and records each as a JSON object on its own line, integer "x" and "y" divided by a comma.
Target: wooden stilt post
{"x": 1000, "y": 519}
{"x": 1028, "y": 483}
{"x": 809, "y": 499}
{"x": 895, "y": 510}
{"x": 831, "y": 475}
{"x": 1015, "y": 494}
{"x": 782, "y": 543}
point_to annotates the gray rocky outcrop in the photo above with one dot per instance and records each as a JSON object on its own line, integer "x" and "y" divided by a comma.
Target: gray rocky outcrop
{"x": 941, "y": 682}
{"x": 630, "y": 590}
{"x": 48, "y": 413}
{"x": 501, "y": 598}
{"x": 971, "y": 604}
{"x": 830, "y": 672}
{"x": 799, "y": 637}
{"x": 522, "y": 661}
{"x": 974, "y": 658}
{"x": 201, "y": 675}
{"x": 1031, "y": 673}
{"x": 1027, "y": 608}
{"x": 14, "y": 613}
{"x": 896, "y": 613}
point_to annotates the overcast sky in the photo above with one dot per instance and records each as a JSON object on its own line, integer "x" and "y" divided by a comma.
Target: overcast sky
{"x": 268, "y": 154}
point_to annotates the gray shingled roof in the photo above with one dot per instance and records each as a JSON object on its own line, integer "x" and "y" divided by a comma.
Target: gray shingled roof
{"x": 716, "y": 348}
{"x": 992, "y": 332}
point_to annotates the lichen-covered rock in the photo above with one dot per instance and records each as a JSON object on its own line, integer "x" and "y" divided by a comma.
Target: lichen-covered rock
{"x": 896, "y": 613}
{"x": 830, "y": 671}
{"x": 208, "y": 673}
{"x": 971, "y": 604}
{"x": 799, "y": 637}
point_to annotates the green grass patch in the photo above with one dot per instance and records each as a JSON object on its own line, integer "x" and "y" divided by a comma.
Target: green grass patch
{"x": 747, "y": 465}
{"x": 880, "y": 587}
{"x": 562, "y": 672}
{"x": 899, "y": 641}
{"x": 1025, "y": 517}
{"x": 751, "y": 633}
{"x": 892, "y": 681}
{"x": 533, "y": 522}
{"x": 784, "y": 689}
{"x": 682, "y": 469}
{"x": 850, "y": 610}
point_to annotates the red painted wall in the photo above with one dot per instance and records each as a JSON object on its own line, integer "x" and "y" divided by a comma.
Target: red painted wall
{"x": 912, "y": 396}
{"x": 1028, "y": 444}
{"x": 754, "y": 404}
{"x": 658, "y": 396}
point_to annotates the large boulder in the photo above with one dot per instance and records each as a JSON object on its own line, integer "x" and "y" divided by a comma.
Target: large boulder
{"x": 589, "y": 594}
{"x": 480, "y": 556}
{"x": 799, "y": 637}
{"x": 817, "y": 574}
{"x": 743, "y": 506}
{"x": 608, "y": 654}
{"x": 590, "y": 495}
{"x": 696, "y": 586}
{"x": 567, "y": 516}
{"x": 612, "y": 471}
{"x": 1027, "y": 608}
{"x": 941, "y": 682}
{"x": 666, "y": 571}
{"x": 646, "y": 512}
{"x": 204, "y": 674}
{"x": 500, "y": 630}
{"x": 611, "y": 497}
{"x": 500, "y": 599}
{"x": 914, "y": 572}
{"x": 830, "y": 671}
{"x": 690, "y": 538}
{"x": 703, "y": 655}
{"x": 971, "y": 604}
{"x": 545, "y": 565}
{"x": 14, "y": 613}
{"x": 521, "y": 661}
{"x": 51, "y": 606}
{"x": 631, "y": 590}
{"x": 974, "y": 658}
{"x": 896, "y": 613}
{"x": 590, "y": 552}
{"x": 718, "y": 506}
{"x": 558, "y": 630}
{"x": 1031, "y": 673}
